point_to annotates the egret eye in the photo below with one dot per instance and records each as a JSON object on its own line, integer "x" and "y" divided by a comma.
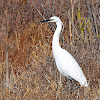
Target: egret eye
{"x": 51, "y": 19}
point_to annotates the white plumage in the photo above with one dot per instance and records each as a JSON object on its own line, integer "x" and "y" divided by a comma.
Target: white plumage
{"x": 66, "y": 64}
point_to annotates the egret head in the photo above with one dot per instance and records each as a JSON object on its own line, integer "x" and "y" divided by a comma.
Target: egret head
{"x": 53, "y": 19}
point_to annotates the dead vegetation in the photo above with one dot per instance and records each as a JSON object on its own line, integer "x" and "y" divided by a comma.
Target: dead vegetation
{"x": 27, "y": 66}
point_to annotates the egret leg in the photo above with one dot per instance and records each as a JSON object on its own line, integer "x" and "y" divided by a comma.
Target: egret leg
{"x": 59, "y": 87}
{"x": 68, "y": 79}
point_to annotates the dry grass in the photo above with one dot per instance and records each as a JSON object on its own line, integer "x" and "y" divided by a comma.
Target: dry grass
{"x": 27, "y": 66}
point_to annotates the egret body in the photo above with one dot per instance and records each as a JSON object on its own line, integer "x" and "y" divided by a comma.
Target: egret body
{"x": 66, "y": 64}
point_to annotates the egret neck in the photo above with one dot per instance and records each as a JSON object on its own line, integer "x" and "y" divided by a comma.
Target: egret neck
{"x": 55, "y": 41}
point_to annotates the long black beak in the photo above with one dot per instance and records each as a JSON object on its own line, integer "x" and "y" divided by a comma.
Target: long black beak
{"x": 46, "y": 20}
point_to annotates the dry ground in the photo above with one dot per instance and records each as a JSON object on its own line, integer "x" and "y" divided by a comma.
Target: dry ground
{"x": 27, "y": 66}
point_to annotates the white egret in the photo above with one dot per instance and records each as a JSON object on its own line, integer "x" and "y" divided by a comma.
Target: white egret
{"x": 66, "y": 64}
